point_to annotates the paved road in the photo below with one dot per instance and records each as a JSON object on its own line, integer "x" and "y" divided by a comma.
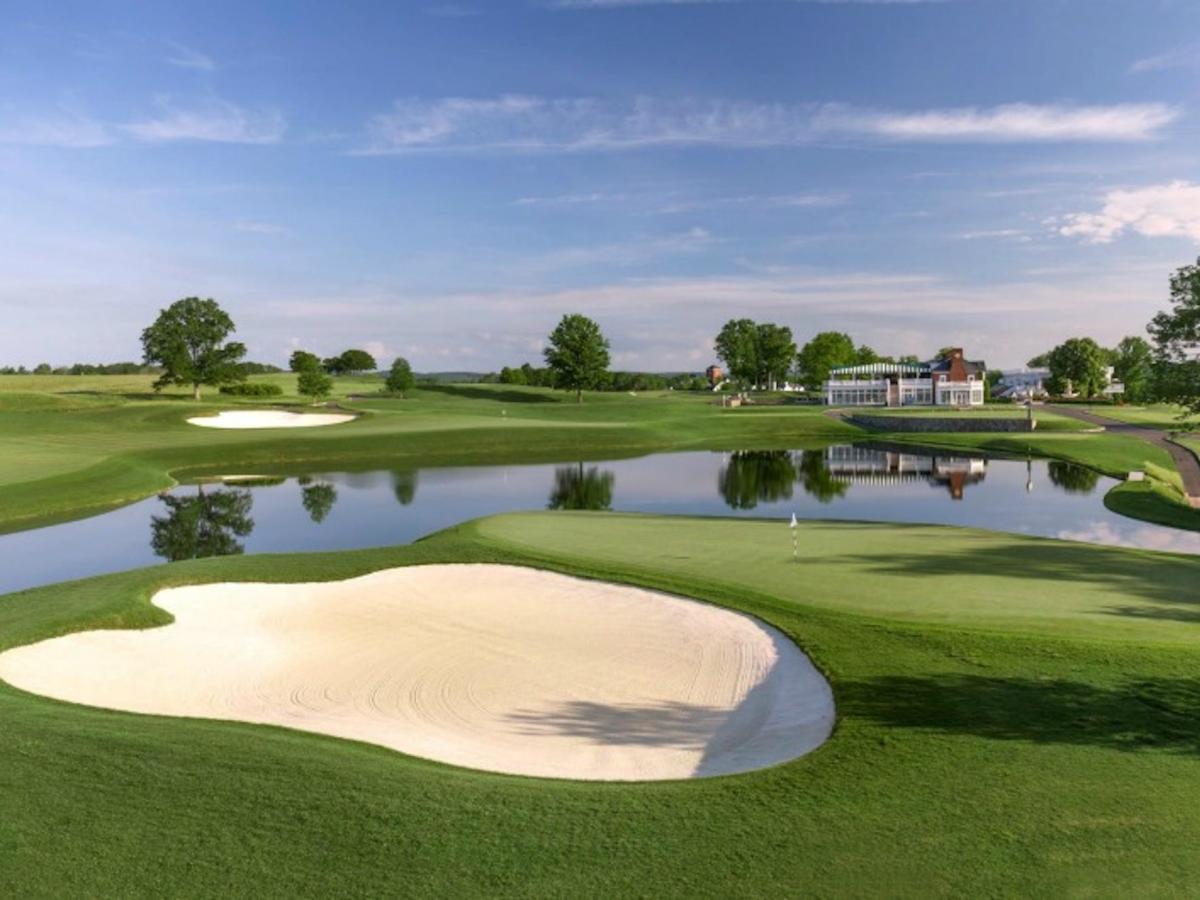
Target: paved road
{"x": 1185, "y": 460}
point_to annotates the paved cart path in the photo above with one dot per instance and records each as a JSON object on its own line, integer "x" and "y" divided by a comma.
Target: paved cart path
{"x": 1185, "y": 460}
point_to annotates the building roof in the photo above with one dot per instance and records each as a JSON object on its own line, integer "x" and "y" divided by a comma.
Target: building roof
{"x": 882, "y": 369}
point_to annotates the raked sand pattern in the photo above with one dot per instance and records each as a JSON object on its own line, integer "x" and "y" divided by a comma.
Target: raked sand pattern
{"x": 268, "y": 418}
{"x": 493, "y": 667}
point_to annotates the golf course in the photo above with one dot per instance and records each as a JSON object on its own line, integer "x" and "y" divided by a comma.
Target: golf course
{"x": 1011, "y": 714}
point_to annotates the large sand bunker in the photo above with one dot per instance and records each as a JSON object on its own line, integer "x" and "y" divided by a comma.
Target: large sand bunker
{"x": 268, "y": 418}
{"x": 486, "y": 666}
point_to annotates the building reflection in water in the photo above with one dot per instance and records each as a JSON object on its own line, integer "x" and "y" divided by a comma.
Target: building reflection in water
{"x": 870, "y": 465}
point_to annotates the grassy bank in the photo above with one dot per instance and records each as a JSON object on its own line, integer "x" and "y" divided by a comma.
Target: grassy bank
{"x": 73, "y": 446}
{"x": 1016, "y": 716}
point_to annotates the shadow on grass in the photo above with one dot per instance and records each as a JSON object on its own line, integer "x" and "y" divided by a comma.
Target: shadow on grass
{"x": 1160, "y": 713}
{"x": 478, "y": 393}
{"x": 682, "y": 726}
{"x": 1167, "y": 580}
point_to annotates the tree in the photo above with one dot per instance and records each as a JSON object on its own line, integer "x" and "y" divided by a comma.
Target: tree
{"x": 864, "y": 356}
{"x": 817, "y": 479}
{"x": 302, "y": 359}
{"x": 42, "y": 369}
{"x": 314, "y": 383}
{"x": 1176, "y": 336}
{"x": 353, "y": 361}
{"x": 825, "y": 351}
{"x": 1041, "y": 361}
{"x": 775, "y": 350}
{"x": 187, "y": 341}
{"x": 577, "y": 355}
{"x": 509, "y": 375}
{"x": 400, "y": 378}
{"x": 332, "y": 365}
{"x": 1078, "y": 362}
{"x": 990, "y": 380}
{"x": 737, "y": 347}
{"x": 1134, "y": 367}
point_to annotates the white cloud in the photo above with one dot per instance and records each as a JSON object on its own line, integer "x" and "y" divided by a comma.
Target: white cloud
{"x": 514, "y": 122}
{"x": 1164, "y": 210}
{"x": 187, "y": 58}
{"x": 1013, "y": 122}
{"x": 61, "y": 129}
{"x": 1014, "y": 234}
{"x": 215, "y": 120}
{"x": 253, "y": 227}
{"x": 1180, "y": 58}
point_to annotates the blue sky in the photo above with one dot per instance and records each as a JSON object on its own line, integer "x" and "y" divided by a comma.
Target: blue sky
{"x": 442, "y": 180}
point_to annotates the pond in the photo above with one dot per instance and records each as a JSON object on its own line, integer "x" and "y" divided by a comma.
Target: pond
{"x": 341, "y": 510}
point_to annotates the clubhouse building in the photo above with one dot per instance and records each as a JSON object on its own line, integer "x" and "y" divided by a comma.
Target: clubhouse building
{"x": 949, "y": 381}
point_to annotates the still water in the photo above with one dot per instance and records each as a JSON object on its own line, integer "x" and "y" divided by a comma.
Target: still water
{"x": 338, "y": 510}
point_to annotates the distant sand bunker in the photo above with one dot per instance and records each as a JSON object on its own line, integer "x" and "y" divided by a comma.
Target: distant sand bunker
{"x": 268, "y": 418}
{"x": 486, "y": 666}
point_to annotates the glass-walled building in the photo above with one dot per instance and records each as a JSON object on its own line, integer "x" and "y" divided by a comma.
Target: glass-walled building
{"x": 949, "y": 381}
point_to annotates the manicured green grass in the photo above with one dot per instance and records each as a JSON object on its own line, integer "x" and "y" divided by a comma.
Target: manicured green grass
{"x": 57, "y": 463}
{"x": 1016, "y": 717}
{"x": 1164, "y": 416}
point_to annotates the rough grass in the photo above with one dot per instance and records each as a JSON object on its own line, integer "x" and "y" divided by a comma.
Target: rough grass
{"x": 1163, "y": 416}
{"x": 1031, "y": 751}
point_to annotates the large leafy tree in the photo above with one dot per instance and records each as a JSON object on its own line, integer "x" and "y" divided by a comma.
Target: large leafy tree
{"x": 1134, "y": 367}
{"x": 302, "y": 359}
{"x": 354, "y": 361}
{"x": 737, "y": 346}
{"x": 577, "y": 355}
{"x": 400, "y": 378}
{"x": 1176, "y": 334}
{"x": 825, "y": 351}
{"x": 314, "y": 383}
{"x": 188, "y": 341}
{"x": 775, "y": 350}
{"x": 1080, "y": 363}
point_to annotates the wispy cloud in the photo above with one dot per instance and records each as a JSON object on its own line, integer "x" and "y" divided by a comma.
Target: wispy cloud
{"x": 215, "y": 120}
{"x": 623, "y": 253}
{"x": 1164, "y": 210}
{"x": 62, "y": 128}
{"x": 516, "y": 123}
{"x": 999, "y": 234}
{"x": 1013, "y": 122}
{"x": 187, "y": 58}
{"x": 1179, "y": 58}
{"x": 253, "y": 227}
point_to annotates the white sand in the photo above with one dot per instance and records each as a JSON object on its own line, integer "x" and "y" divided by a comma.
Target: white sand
{"x": 491, "y": 667}
{"x": 268, "y": 418}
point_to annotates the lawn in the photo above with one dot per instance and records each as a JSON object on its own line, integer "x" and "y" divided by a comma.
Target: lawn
{"x": 1016, "y": 717}
{"x": 1164, "y": 416}
{"x": 1046, "y": 421}
{"x": 76, "y": 445}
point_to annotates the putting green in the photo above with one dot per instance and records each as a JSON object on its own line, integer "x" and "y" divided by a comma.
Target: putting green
{"x": 1055, "y": 752}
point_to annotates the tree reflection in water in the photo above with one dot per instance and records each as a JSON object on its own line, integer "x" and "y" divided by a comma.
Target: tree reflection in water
{"x": 751, "y": 477}
{"x": 207, "y": 524}
{"x": 404, "y": 486}
{"x": 317, "y": 498}
{"x": 575, "y": 488}
{"x": 817, "y": 478}
{"x": 1072, "y": 478}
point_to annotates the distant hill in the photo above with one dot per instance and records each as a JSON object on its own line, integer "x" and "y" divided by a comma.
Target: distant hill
{"x": 450, "y": 377}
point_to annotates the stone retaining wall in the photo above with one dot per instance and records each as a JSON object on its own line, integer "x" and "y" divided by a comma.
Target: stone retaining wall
{"x": 929, "y": 424}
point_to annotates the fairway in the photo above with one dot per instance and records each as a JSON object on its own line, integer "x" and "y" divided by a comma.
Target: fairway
{"x": 1039, "y": 691}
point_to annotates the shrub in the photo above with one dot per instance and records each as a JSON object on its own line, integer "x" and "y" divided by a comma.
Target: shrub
{"x": 252, "y": 389}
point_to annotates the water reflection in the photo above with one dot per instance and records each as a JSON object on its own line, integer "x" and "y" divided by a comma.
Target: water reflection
{"x": 751, "y": 477}
{"x": 340, "y": 510}
{"x": 317, "y": 498}
{"x": 867, "y": 465}
{"x": 404, "y": 486}
{"x": 1072, "y": 478}
{"x": 575, "y": 488}
{"x": 207, "y": 524}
